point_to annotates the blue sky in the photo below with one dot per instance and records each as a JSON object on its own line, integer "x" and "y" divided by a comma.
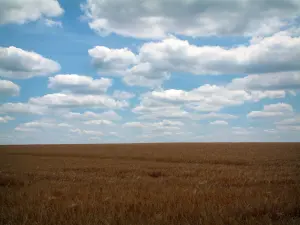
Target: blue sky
{"x": 91, "y": 71}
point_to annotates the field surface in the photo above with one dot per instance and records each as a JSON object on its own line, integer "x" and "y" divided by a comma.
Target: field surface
{"x": 143, "y": 184}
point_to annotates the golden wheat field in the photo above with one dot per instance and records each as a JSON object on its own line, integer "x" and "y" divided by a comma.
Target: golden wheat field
{"x": 179, "y": 183}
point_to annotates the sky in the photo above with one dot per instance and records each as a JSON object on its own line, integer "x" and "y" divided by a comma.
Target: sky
{"x": 124, "y": 71}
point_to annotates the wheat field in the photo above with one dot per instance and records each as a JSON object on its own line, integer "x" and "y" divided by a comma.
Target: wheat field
{"x": 179, "y": 183}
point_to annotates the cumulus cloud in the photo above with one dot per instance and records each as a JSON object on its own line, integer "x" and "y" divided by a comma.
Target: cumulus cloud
{"x": 290, "y": 121}
{"x": 86, "y": 132}
{"x": 8, "y": 88}
{"x": 156, "y": 61}
{"x": 22, "y": 108}
{"x": 213, "y": 115}
{"x": 70, "y": 100}
{"x": 52, "y": 23}
{"x": 25, "y": 129}
{"x": 262, "y": 56}
{"x": 163, "y": 125}
{"x": 160, "y": 112}
{"x": 38, "y": 124}
{"x": 201, "y": 103}
{"x": 272, "y": 110}
{"x": 134, "y": 124}
{"x": 79, "y": 83}
{"x": 210, "y": 97}
{"x": 289, "y": 128}
{"x": 258, "y": 95}
{"x": 123, "y": 94}
{"x": 272, "y": 81}
{"x": 289, "y": 124}
{"x": 108, "y": 115}
{"x": 114, "y": 61}
{"x": 241, "y": 130}
{"x": 5, "y": 119}
{"x": 161, "y": 134}
{"x": 98, "y": 122}
{"x": 271, "y": 131}
{"x": 64, "y": 125}
{"x": 19, "y": 12}
{"x": 156, "y": 108}
{"x": 44, "y": 124}
{"x": 219, "y": 122}
{"x": 95, "y": 138}
{"x": 152, "y": 109}
{"x": 157, "y": 18}
{"x": 145, "y": 74}
{"x": 17, "y": 63}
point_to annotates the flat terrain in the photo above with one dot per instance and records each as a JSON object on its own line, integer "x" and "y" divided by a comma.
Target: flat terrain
{"x": 241, "y": 183}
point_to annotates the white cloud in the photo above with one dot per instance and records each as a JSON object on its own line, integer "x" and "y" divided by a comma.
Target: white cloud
{"x": 22, "y": 108}
{"x": 272, "y": 110}
{"x": 134, "y": 124}
{"x": 260, "y": 114}
{"x": 164, "y": 129}
{"x": 209, "y": 97}
{"x": 271, "y": 131}
{"x": 277, "y": 53}
{"x": 69, "y": 100}
{"x": 5, "y": 119}
{"x": 213, "y": 115}
{"x": 95, "y": 138}
{"x": 123, "y": 94}
{"x": 293, "y": 31}
{"x": 86, "y": 132}
{"x": 160, "y": 112}
{"x": 79, "y": 84}
{"x": 44, "y": 124}
{"x": 64, "y": 125}
{"x": 157, "y": 18}
{"x": 115, "y": 61}
{"x": 17, "y": 63}
{"x": 258, "y": 95}
{"x": 145, "y": 74}
{"x": 290, "y": 121}
{"x": 289, "y": 124}
{"x": 157, "y": 60}
{"x": 8, "y": 88}
{"x": 272, "y": 81}
{"x": 37, "y": 124}
{"x": 241, "y": 131}
{"x": 289, "y": 128}
{"x": 162, "y": 126}
{"x": 161, "y": 133}
{"x": 219, "y": 122}
{"x": 15, "y": 11}
{"x": 151, "y": 108}
{"x": 113, "y": 133}
{"x": 24, "y": 129}
{"x": 279, "y": 107}
{"x": 52, "y": 23}
{"x": 165, "y": 123}
{"x": 108, "y": 115}
{"x": 98, "y": 122}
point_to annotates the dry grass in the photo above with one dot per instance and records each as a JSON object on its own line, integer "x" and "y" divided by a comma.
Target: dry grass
{"x": 145, "y": 184}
